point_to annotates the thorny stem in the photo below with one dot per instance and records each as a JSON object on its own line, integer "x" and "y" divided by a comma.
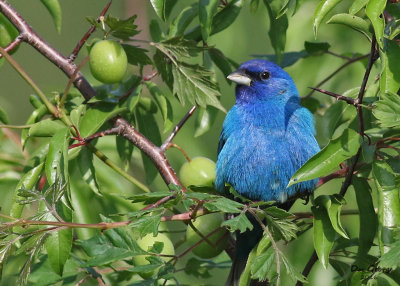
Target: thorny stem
{"x": 85, "y": 37}
{"x": 372, "y": 57}
{"x": 28, "y": 35}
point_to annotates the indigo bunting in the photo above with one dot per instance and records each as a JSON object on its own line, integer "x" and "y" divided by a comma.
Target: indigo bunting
{"x": 266, "y": 136}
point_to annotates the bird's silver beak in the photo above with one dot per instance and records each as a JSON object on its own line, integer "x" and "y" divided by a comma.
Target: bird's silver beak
{"x": 239, "y": 78}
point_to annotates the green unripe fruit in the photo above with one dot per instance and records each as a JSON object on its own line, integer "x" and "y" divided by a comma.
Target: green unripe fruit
{"x": 108, "y": 61}
{"x": 146, "y": 243}
{"x": 206, "y": 224}
{"x": 200, "y": 171}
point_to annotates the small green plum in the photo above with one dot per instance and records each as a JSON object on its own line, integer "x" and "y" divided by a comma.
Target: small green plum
{"x": 108, "y": 61}
{"x": 146, "y": 243}
{"x": 200, "y": 171}
{"x": 206, "y": 224}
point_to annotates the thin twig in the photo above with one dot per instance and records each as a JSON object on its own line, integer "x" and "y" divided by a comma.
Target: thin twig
{"x": 51, "y": 108}
{"x": 372, "y": 58}
{"x": 177, "y": 128}
{"x": 349, "y": 62}
{"x": 71, "y": 81}
{"x": 339, "y": 56}
{"x": 80, "y": 44}
{"x": 349, "y": 100}
{"x": 117, "y": 169}
{"x": 12, "y": 46}
{"x": 173, "y": 145}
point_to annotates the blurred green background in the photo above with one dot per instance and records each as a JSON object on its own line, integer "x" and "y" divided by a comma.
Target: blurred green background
{"x": 246, "y": 37}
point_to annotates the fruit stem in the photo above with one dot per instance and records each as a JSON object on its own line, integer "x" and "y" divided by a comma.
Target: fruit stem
{"x": 173, "y": 145}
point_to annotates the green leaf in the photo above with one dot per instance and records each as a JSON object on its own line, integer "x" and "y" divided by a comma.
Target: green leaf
{"x": 322, "y": 10}
{"x": 97, "y": 115}
{"x": 163, "y": 104}
{"x": 357, "y": 6}
{"x": 388, "y": 202}
{"x": 3, "y": 116}
{"x": 87, "y": 169}
{"x": 221, "y": 62}
{"x": 224, "y": 205}
{"x": 240, "y": 223}
{"x": 57, "y": 158}
{"x": 316, "y": 48}
{"x": 264, "y": 265}
{"x": 352, "y": 21}
{"x": 324, "y": 234}
{"x": 387, "y": 110}
{"x": 58, "y": 246}
{"x": 36, "y": 115}
{"x": 391, "y": 258}
{"x": 225, "y": 17}
{"x": 45, "y": 128}
{"x": 28, "y": 181}
{"x": 191, "y": 83}
{"x": 147, "y": 224}
{"x": 136, "y": 56}
{"x": 374, "y": 12}
{"x": 222, "y": 20}
{"x": 122, "y": 29}
{"x": 155, "y": 30}
{"x": 329, "y": 158}
{"x": 54, "y": 8}
{"x": 110, "y": 255}
{"x": 204, "y": 120}
{"x": 291, "y": 271}
{"x": 288, "y": 59}
{"x": 149, "y": 198}
{"x": 198, "y": 268}
{"x": 390, "y": 76}
{"x": 76, "y": 114}
{"x": 277, "y": 29}
{"x": 207, "y": 10}
{"x": 180, "y": 23}
{"x": 333, "y": 205}
{"x": 163, "y": 7}
{"x": 149, "y": 128}
{"x": 368, "y": 218}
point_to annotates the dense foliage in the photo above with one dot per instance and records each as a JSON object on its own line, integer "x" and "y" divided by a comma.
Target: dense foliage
{"x": 71, "y": 214}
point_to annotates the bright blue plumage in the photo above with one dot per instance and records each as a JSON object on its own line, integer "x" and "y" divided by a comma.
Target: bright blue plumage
{"x": 267, "y": 135}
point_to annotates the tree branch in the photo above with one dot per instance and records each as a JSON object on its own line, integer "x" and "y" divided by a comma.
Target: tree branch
{"x": 349, "y": 100}
{"x": 164, "y": 146}
{"x": 80, "y": 44}
{"x": 156, "y": 154}
{"x": 28, "y": 35}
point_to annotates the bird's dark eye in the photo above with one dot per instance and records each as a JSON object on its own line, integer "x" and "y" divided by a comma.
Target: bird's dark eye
{"x": 265, "y": 75}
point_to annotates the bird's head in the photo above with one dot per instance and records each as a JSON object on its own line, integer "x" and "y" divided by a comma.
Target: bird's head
{"x": 262, "y": 80}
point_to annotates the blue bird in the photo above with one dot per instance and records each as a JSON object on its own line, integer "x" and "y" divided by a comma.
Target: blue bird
{"x": 266, "y": 136}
